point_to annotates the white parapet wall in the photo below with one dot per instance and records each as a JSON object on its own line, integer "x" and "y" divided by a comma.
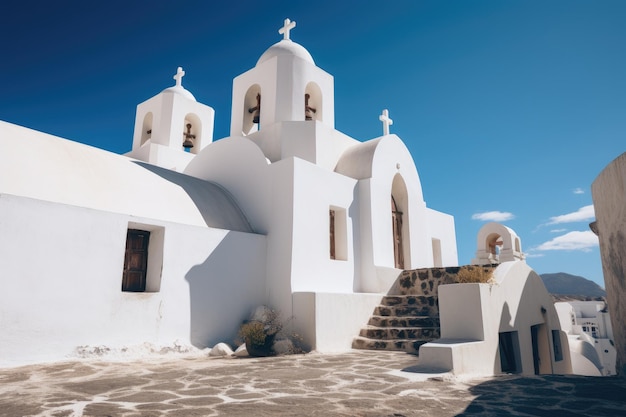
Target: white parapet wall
{"x": 328, "y": 322}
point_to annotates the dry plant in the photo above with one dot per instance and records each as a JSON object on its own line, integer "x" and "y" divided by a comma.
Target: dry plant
{"x": 474, "y": 274}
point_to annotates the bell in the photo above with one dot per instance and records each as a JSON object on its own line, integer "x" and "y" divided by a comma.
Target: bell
{"x": 187, "y": 144}
{"x": 256, "y": 109}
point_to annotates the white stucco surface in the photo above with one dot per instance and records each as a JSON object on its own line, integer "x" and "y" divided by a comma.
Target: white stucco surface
{"x": 234, "y": 223}
{"x": 62, "y": 289}
{"x": 473, "y": 315}
{"x": 329, "y": 321}
{"x": 66, "y": 172}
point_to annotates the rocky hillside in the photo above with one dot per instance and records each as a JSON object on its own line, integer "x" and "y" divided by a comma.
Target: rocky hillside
{"x": 562, "y": 284}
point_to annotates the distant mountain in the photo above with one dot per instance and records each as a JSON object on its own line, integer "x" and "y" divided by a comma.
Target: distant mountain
{"x": 572, "y": 285}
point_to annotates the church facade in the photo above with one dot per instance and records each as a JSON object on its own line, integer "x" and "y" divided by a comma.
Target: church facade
{"x": 176, "y": 242}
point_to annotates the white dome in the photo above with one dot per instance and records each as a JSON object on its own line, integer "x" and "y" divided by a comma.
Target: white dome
{"x": 286, "y": 47}
{"x": 180, "y": 90}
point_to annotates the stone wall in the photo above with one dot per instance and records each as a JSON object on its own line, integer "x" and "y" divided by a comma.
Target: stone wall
{"x": 609, "y": 199}
{"x": 426, "y": 281}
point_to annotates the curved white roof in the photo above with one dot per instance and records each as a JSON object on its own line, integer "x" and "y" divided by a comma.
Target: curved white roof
{"x": 45, "y": 167}
{"x": 180, "y": 90}
{"x": 286, "y": 47}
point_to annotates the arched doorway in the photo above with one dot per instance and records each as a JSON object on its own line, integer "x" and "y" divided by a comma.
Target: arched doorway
{"x": 400, "y": 223}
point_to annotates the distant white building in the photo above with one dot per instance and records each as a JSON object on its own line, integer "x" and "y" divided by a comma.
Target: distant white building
{"x": 590, "y": 334}
{"x": 176, "y": 242}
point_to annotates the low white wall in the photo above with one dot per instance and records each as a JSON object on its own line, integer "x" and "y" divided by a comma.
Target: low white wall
{"x": 61, "y": 273}
{"x": 469, "y": 313}
{"x": 329, "y": 322}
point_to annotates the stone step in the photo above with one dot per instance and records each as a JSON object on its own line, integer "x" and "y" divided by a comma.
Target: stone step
{"x": 392, "y": 321}
{"x": 406, "y": 333}
{"x": 409, "y": 300}
{"x": 410, "y": 346}
{"x": 406, "y": 311}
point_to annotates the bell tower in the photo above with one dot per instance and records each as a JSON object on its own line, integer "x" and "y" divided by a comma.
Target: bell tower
{"x": 284, "y": 86}
{"x": 172, "y": 127}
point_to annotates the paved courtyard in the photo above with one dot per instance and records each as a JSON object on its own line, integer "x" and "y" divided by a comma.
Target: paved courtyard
{"x": 359, "y": 383}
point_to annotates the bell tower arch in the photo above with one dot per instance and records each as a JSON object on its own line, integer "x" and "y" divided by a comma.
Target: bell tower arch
{"x": 283, "y": 77}
{"x": 497, "y": 243}
{"x": 172, "y": 127}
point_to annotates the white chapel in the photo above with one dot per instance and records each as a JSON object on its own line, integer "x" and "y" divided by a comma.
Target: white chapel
{"x": 178, "y": 240}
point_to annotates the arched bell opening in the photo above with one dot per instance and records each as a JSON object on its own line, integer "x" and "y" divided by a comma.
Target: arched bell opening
{"x": 400, "y": 223}
{"x": 192, "y": 134}
{"x": 494, "y": 243}
{"x": 252, "y": 110}
{"x": 146, "y": 128}
{"x": 313, "y": 102}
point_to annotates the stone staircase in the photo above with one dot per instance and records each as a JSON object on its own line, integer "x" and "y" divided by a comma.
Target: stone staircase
{"x": 408, "y": 316}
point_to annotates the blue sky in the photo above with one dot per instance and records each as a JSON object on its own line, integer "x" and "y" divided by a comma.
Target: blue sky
{"x": 510, "y": 108}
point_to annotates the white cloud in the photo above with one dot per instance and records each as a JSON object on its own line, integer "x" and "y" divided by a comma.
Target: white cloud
{"x": 493, "y": 216}
{"x": 582, "y": 241}
{"x": 578, "y": 191}
{"x": 534, "y": 255}
{"x": 583, "y": 214}
{"x": 558, "y": 230}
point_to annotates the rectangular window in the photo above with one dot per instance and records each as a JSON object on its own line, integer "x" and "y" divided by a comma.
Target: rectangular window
{"x": 338, "y": 233}
{"x": 556, "y": 344}
{"x": 136, "y": 261}
{"x": 331, "y": 214}
{"x": 437, "y": 261}
{"x": 143, "y": 258}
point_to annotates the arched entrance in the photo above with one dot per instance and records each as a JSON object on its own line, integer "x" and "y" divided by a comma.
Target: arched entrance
{"x": 400, "y": 223}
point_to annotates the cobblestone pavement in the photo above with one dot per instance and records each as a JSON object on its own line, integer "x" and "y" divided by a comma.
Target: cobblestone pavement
{"x": 359, "y": 383}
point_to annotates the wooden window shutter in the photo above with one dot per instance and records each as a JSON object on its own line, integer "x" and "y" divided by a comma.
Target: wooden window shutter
{"x": 136, "y": 261}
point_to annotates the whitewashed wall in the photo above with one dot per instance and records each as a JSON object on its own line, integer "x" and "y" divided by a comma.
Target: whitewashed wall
{"x": 472, "y": 316}
{"x": 61, "y": 273}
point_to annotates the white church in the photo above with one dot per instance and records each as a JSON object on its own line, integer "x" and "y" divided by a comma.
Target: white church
{"x": 176, "y": 242}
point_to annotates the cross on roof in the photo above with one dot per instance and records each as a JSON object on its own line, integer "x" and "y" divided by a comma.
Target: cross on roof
{"x": 179, "y": 77}
{"x": 386, "y": 121}
{"x": 286, "y": 28}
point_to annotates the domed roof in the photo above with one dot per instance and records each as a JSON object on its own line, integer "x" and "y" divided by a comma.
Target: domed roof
{"x": 180, "y": 90}
{"x": 286, "y": 47}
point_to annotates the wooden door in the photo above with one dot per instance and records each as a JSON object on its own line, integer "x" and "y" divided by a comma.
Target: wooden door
{"x": 398, "y": 250}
